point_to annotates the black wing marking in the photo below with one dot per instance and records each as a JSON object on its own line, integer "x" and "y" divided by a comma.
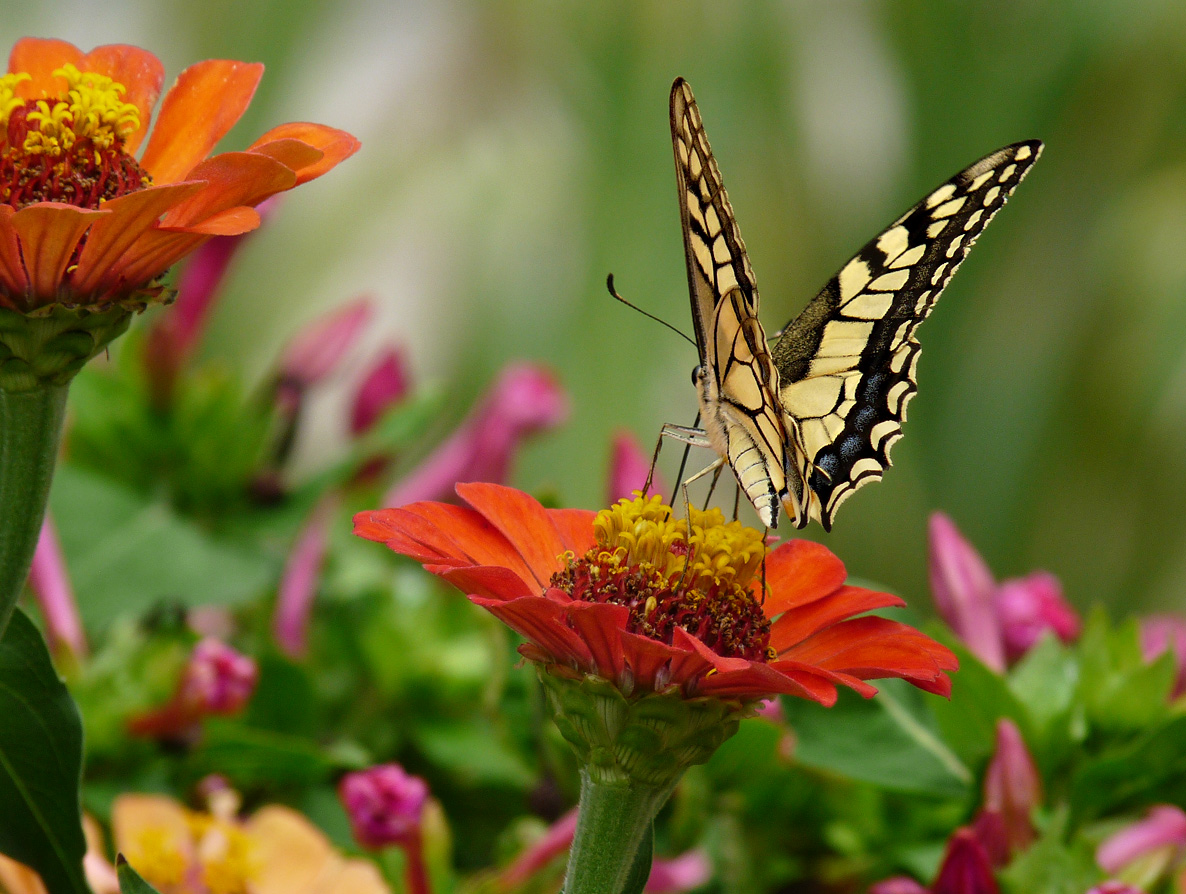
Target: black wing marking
{"x": 847, "y": 362}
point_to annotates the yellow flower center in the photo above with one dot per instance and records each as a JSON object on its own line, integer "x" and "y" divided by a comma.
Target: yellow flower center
{"x": 68, "y": 148}
{"x": 218, "y": 858}
{"x": 700, "y": 581}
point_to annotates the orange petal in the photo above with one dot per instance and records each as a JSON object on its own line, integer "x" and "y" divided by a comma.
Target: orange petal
{"x": 798, "y": 624}
{"x": 292, "y": 855}
{"x": 205, "y": 102}
{"x": 575, "y": 527}
{"x": 524, "y": 523}
{"x": 139, "y": 71}
{"x": 232, "y": 179}
{"x": 542, "y": 622}
{"x": 232, "y": 222}
{"x": 129, "y": 216}
{"x": 162, "y": 818}
{"x": 49, "y": 233}
{"x": 800, "y": 571}
{"x": 17, "y": 878}
{"x": 13, "y": 282}
{"x": 489, "y": 581}
{"x": 153, "y": 252}
{"x": 335, "y": 146}
{"x": 39, "y": 57}
{"x": 293, "y": 154}
{"x": 357, "y": 877}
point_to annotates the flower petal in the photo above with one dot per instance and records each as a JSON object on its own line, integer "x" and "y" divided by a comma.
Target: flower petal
{"x": 139, "y": 71}
{"x": 800, "y": 571}
{"x": 13, "y": 281}
{"x": 489, "y": 581}
{"x": 293, "y": 154}
{"x": 49, "y": 233}
{"x": 132, "y": 816}
{"x": 293, "y": 856}
{"x": 793, "y": 627}
{"x": 334, "y": 145}
{"x": 794, "y": 668}
{"x": 872, "y": 647}
{"x": 205, "y": 102}
{"x": 524, "y": 523}
{"x": 232, "y": 222}
{"x": 357, "y": 877}
{"x": 543, "y": 622}
{"x": 152, "y": 253}
{"x": 575, "y": 527}
{"x": 39, "y": 57}
{"x": 129, "y": 216}
{"x": 601, "y": 626}
{"x": 645, "y": 657}
{"x": 233, "y": 179}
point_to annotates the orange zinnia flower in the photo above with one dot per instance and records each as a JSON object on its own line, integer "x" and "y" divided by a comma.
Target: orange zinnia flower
{"x": 629, "y": 596}
{"x": 83, "y": 222}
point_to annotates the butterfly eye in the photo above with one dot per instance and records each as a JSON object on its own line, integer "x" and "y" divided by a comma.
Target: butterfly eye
{"x": 697, "y": 374}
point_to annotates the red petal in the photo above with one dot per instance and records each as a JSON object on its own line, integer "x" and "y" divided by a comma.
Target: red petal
{"x": 13, "y": 281}
{"x": 800, "y": 571}
{"x": 232, "y": 222}
{"x": 49, "y": 233}
{"x": 796, "y": 667}
{"x": 762, "y": 680}
{"x": 601, "y": 626}
{"x": 544, "y": 623}
{"x": 139, "y": 71}
{"x": 687, "y": 663}
{"x": 798, "y": 624}
{"x": 524, "y": 523}
{"x": 151, "y": 254}
{"x": 334, "y": 146}
{"x": 575, "y": 527}
{"x": 129, "y": 216}
{"x": 39, "y": 57}
{"x": 645, "y": 658}
{"x": 466, "y": 534}
{"x": 489, "y": 581}
{"x": 872, "y": 647}
{"x": 233, "y": 179}
{"x": 198, "y": 110}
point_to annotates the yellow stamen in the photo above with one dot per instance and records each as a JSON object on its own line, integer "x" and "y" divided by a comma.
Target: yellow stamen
{"x": 8, "y": 98}
{"x": 157, "y": 857}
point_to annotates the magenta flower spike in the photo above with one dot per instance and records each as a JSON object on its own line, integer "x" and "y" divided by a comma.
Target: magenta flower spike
{"x": 319, "y": 348}
{"x": 385, "y": 805}
{"x": 1166, "y": 633}
{"x": 50, "y": 583}
{"x": 689, "y": 870}
{"x": 526, "y": 399}
{"x": 298, "y": 583}
{"x": 965, "y": 868}
{"x": 1028, "y": 607}
{"x": 1160, "y": 837}
{"x": 385, "y": 384}
{"x": 963, "y": 589}
{"x": 628, "y": 469}
{"x": 1012, "y": 786}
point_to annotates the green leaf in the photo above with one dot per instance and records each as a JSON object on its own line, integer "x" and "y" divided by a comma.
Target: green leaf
{"x": 1122, "y": 693}
{"x": 1052, "y": 866}
{"x": 129, "y": 880}
{"x": 890, "y": 740}
{"x": 256, "y": 756}
{"x": 1151, "y": 769}
{"x": 474, "y": 753}
{"x": 979, "y": 698}
{"x": 40, "y": 762}
{"x": 128, "y": 553}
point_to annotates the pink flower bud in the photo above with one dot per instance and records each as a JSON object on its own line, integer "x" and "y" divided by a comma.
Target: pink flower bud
{"x": 1012, "y": 787}
{"x": 300, "y": 579}
{"x": 899, "y": 884}
{"x": 385, "y": 385}
{"x": 218, "y": 680}
{"x": 1166, "y": 633}
{"x": 966, "y": 868}
{"x": 683, "y": 873}
{"x": 1114, "y": 887}
{"x": 525, "y": 399}
{"x": 629, "y": 467}
{"x": 1030, "y": 606}
{"x": 1162, "y": 830}
{"x": 384, "y": 804}
{"x": 318, "y": 349}
{"x": 50, "y": 584}
{"x": 963, "y": 589}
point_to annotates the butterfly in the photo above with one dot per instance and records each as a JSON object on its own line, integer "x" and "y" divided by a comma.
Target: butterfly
{"x": 807, "y": 418}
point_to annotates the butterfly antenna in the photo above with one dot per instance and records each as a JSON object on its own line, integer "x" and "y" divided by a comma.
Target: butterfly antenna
{"x": 609, "y": 284}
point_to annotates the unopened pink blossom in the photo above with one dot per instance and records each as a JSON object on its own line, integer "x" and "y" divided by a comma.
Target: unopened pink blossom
{"x": 963, "y": 589}
{"x": 1162, "y": 830}
{"x": 385, "y": 384}
{"x": 1115, "y": 887}
{"x": 1012, "y": 786}
{"x": 300, "y": 579}
{"x": 1030, "y": 606}
{"x": 629, "y": 467}
{"x": 218, "y": 679}
{"x": 689, "y": 870}
{"x": 385, "y": 805}
{"x": 321, "y": 345}
{"x": 50, "y": 583}
{"x": 525, "y": 399}
{"x": 1166, "y": 633}
{"x": 966, "y": 868}
{"x": 899, "y": 884}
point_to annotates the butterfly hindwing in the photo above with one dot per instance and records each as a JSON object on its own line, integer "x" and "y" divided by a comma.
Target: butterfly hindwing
{"x": 847, "y": 362}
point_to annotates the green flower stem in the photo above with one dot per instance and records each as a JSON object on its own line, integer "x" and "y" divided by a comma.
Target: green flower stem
{"x": 30, "y": 429}
{"x": 614, "y": 818}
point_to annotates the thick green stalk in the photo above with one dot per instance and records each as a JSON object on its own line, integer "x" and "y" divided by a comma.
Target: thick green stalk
{"x": 613, "y": 820}
{"x": 30, "y": 429}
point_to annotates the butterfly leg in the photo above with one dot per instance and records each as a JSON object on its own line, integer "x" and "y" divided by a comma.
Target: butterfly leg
{"x": 716, "y": 476}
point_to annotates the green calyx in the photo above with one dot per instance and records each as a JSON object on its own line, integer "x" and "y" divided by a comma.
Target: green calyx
{"x": 48, "y": 347}
{"x": 648, "y": 739}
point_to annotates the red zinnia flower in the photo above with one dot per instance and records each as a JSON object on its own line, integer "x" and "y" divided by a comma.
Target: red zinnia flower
{"x": 83, "y": 222}
{"x": 627, "y": 595}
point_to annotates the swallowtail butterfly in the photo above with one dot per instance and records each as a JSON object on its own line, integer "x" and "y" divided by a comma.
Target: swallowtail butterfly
{"x": 806, "y": 421}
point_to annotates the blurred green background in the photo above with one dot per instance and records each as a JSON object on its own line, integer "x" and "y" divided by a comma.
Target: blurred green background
{"x": 516, "y": 152}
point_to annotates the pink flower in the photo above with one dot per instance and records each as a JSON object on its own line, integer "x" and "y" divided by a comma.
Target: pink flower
{"x": 998, "y": 623}
{"x": 628, "y": 469}
{"x": 385, "y": 384}
{"x": 1012, "y": 787}
{"x": 299, "y": 581}
{"x": 899, "y": 884}
{"x": 1166, "y": 633}
{"x": 1114, "y": 887}
{"x": 525, "y": 399}
{"x": 217, "y": 680}
{"x": 683, "y": 873}
{"x": 1159, "y": 838}
{"x": 965, "y": 868}
{"x": 385, "y": 805}
{"x": 50, "y": 584}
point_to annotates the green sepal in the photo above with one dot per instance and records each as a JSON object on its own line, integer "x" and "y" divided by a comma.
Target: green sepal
{"x": 49, "y": 346}
{"x": 648, "y": 739}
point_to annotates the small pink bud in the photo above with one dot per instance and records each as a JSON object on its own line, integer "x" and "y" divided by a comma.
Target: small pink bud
{"x": 989, "y": 829}
{"x": 300, "y": 579}
{"x": 629, "y": 467}
{"x": 683, "y": 873}
{"x": 963, "y": 589}
{"x": 1030, "y": 606}
{"x": 1012, "y": 787}
{"x": 218, "y": 680}
{"x": 318, "y": 349}
{"x": 385, "y": 385}
{"x": 1162, "y": 829}
{"x": 966, "y": 868}
{"x": 384, "y": 804}
{"x": 1114, "y": 887}
{"x": 525, "y": 399}
{"x": 50, "y": 584}
{"x": 1166, "y": 633}
{"x": 899, "y": 884}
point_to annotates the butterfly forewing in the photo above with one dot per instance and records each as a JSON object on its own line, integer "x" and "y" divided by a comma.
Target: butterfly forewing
{"x": 847, "y": 362}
